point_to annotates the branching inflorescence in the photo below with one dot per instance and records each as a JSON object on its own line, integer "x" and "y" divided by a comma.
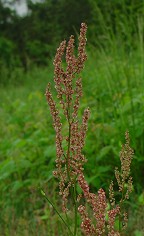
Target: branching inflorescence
{"x": 70, "y": 160}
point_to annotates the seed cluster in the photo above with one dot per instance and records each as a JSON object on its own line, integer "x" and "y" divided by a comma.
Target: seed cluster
{"x": 69, "y": 163}
{"x": 124, "y": 177}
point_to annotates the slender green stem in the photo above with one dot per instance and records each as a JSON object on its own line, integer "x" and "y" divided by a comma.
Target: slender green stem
{"x": 68, "y": 152}
{"x": 75, "y": 203}
{"x": 43, "y": 193}
{"x": 73, "y": 189}
{"x": 121, "y": 203}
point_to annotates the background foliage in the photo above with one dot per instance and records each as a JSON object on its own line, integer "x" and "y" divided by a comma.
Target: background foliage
{"x": 113, "y": 89}
{"x": 33, "y": 38}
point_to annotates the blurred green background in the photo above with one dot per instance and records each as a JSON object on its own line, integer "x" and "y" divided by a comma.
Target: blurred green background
{"x": 113, "y": 84}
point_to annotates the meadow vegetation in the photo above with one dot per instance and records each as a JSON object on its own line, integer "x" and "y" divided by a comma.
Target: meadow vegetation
{"x": 113, "y": 89}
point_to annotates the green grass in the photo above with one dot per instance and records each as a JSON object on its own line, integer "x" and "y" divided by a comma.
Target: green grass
{"x": 113, "y": 89}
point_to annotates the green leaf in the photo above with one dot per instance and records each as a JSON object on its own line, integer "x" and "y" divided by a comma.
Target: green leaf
{"x": 141, "y": 199}
{"x": 104, "y": 151}
{"x": 138, "y": 233}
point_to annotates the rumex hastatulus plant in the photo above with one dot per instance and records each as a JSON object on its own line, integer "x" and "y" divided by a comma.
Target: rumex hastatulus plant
{"x": 69, "y": 158}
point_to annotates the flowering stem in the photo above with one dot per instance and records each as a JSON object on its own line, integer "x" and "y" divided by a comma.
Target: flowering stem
{"x": 70, "y": 160}
{"x": 73, "y": 189}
